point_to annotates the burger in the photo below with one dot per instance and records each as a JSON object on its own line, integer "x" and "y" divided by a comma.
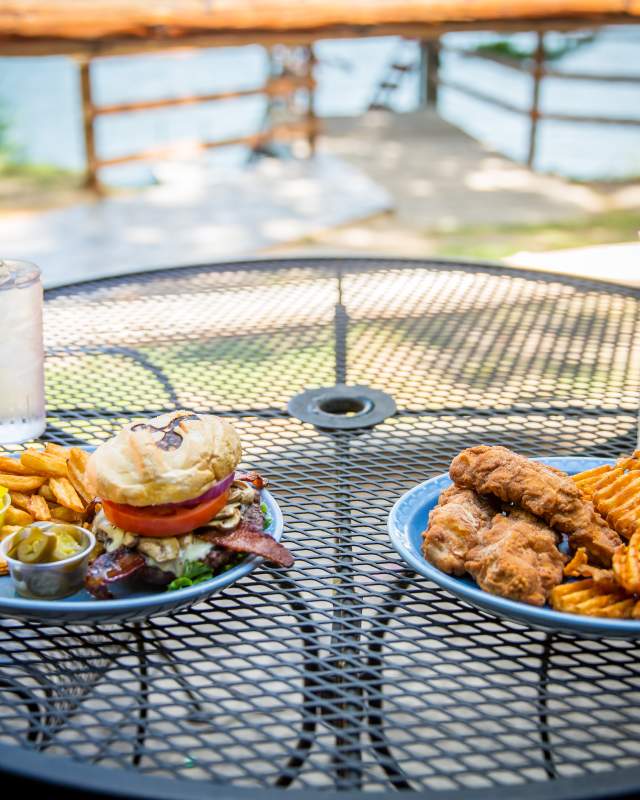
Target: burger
{"x": 171, "y": 508}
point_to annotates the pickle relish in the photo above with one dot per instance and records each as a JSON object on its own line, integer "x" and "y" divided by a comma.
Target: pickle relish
{"x": 39, "y": 546}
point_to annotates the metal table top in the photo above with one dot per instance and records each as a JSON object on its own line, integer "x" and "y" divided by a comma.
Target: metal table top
{"x": 346, "y": 674}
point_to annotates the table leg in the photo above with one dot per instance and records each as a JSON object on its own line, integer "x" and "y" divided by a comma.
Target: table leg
{"x": 54, "y": 683}
{"x": 345, "y": 637}
{"x": 149, "y": 643}
{"x": 547, "y": 752}
{"x": 374, "y": 683}
{"x": 311, "y": 691}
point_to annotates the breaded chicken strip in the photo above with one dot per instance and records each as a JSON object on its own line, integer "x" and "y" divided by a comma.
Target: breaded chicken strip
{"x": 539, "y": 489}
{"x": 453, "y": 528}
{"x": 517, "y": 558}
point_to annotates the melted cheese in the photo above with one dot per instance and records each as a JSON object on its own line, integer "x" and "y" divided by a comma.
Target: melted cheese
{"x": 195, "y": 551}
{"x": 112, "y": 537}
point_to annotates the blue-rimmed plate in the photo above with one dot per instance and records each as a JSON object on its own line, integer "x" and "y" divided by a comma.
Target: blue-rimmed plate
{"x": 407, "y": 520}
{"x": 142, "y": 602}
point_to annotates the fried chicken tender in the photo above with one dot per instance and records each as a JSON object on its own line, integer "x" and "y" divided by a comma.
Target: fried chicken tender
{"x": 517, "y": 558}
{"x": 541, "y": 490}
{"x": 453, "y": 528}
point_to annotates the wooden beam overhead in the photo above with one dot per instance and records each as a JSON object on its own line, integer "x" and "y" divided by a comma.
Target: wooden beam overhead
{"x": 117, "y": 27}
{"x": 98, "y": 19}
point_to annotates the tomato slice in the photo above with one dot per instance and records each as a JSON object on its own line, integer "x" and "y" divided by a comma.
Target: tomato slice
{"x": 149, "y": 521}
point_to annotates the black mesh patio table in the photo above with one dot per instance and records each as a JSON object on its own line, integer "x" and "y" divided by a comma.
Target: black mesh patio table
{"x": 346, "y": 675}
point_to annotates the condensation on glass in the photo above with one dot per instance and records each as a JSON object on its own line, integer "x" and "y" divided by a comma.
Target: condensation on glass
{"x": 22, "y": 404}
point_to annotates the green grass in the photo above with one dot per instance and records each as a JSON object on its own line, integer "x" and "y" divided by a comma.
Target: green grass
{"x": 35, "y": 186}
{"x": 45, "y": 175}
{"x": 497, "y": 241}
{"x": 15, "y": 170}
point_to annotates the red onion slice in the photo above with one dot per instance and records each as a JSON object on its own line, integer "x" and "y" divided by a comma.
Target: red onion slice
{"x": 215, "y": 491}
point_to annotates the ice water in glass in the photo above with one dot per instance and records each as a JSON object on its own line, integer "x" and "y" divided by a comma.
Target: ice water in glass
{"x": 22, "y": 409}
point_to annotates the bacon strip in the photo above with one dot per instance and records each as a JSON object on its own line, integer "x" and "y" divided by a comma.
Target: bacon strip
{"x": 246, "y": 539}
{"x": 249, "y": 536}
{"x": 254, "y": 478}
{"x": 109, "y": 568}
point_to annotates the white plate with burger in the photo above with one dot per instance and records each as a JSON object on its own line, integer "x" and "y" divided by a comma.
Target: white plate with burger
{"x": 175, "y": 522}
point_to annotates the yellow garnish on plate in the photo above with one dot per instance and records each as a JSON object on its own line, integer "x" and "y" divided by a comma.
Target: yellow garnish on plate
{"x": 5, "y": 502}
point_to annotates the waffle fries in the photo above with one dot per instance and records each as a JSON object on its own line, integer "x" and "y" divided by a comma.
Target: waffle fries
{"x": 612, "y": 593}
{"x": 615, "y": 493}
{"x": 619, "y": 503}
{"x": 45, "y": 485}
{"x": 626, "y": 565}
{"x": 588, "y": 598}
{"x": 579, "y": 567}
{"x": 592, "y": 479}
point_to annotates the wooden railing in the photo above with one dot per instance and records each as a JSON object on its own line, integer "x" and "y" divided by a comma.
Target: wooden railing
{"x": 538, "y": 70}
{"x": 275, "y": 87}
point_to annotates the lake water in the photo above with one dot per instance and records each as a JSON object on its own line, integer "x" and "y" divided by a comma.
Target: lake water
{"x": 39, "y": 101}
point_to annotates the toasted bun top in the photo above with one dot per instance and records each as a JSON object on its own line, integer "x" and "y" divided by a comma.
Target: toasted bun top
{"x": 166, "y": 459}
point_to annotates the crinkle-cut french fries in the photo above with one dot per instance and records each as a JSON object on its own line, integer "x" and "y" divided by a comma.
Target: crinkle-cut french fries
{"x": 619, "y": 503}
{"x": 21, "y": 483}
{"x": 44, "y": 463}
{"x": 62, "y": 514}
{"x": 57, "y": 450}
{"x": 587, "y": 598}
{"x": 575, "y": 568}
{"x": 65, "y": 494}
{"x": 579, "y": 560}
{"x": 615, "y": 493}
{"x": 16, "y": 516}
{"x": 12, "y": 466}
{"x": 20, "y": 500}
{"x": 630, "y": 462}
{"x": 77, "y": 466}
{"x": 79, "y": 457}
{"x": 46, "y": 485}
{"x": 626, "y": 564}
{"x": 38, "y": 508}
{"x": 45, "y": 491}
{"x": 579, "y": 567}
{"x": 592, "y": 479}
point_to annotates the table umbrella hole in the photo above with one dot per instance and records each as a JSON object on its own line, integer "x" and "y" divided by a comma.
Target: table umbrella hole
{"x": 342, "y": 407}
{"x": 345, "y": 406}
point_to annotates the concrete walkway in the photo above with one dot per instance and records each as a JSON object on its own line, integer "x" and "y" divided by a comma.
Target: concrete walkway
{"x": 441, "y": 179}
{"x": 382, "y": 184}
{"x": 198, "y": 215}
{"x": 617, "y": 263}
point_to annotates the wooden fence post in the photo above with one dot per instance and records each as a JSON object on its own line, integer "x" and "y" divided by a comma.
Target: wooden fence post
{"x": 311, "y": 114}
{"x": 423, "y": 73}
{"x": 537, "y": 74}
{"x": 88, "y": 119}
{"x": 433, "y": 67}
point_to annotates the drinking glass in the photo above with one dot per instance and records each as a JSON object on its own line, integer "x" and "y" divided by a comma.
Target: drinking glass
{"x": 22, "y": 409}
